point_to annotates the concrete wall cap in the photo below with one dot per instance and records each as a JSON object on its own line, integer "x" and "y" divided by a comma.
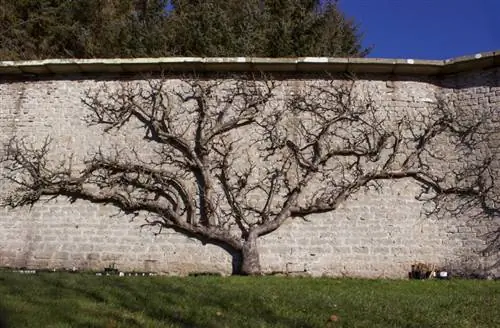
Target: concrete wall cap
{"x": 251, "y": 64}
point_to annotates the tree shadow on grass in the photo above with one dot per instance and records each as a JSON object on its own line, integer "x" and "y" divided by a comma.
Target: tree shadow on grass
{"x": 88, "y": 301}
{"x": 182, "y": 303}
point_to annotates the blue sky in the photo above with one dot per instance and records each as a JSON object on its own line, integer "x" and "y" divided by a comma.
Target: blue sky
{"x": 427, "y": 29}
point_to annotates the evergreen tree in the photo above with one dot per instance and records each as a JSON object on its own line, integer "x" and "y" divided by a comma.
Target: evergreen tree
{"x": 35, "y": 29}
{"x": 270, "y": 28}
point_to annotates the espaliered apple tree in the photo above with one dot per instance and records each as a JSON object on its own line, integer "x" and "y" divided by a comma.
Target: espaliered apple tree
{"x": 233, "y": 158}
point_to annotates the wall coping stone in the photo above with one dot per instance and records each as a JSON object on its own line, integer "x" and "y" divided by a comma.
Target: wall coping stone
{"x": 62, "y": 67}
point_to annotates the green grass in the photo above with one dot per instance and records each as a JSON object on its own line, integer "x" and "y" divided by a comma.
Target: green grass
{"x": 79, "y": 300}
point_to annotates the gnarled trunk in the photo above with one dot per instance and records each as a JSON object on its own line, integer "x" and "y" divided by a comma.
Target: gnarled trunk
{"x": 250, "y": 259}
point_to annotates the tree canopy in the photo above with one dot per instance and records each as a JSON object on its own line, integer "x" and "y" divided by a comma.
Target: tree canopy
{"x": 35, "y": 29}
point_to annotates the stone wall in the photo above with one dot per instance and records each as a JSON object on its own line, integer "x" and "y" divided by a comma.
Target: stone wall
{"x": 371, "y": 235}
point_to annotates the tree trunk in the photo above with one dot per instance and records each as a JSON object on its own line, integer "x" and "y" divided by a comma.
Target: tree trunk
{"x": 250, "y": 259}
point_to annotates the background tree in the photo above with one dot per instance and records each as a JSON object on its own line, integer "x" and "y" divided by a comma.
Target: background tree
{"x": 267, "y": 28}
{"x": 33, "y": 29}
{"x": 229, "y": 162}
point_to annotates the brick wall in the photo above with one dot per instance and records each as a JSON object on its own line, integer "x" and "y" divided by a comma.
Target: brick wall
{"x": 371, "y": 235}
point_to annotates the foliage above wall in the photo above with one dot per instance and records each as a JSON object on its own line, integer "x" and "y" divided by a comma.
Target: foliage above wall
{"x": 36, "y": 29}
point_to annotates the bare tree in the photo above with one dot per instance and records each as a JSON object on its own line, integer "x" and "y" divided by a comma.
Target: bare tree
{"x": 232, "y": 159}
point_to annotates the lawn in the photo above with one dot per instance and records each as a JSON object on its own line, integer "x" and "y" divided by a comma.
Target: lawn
{"x": 84, "y": 300}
